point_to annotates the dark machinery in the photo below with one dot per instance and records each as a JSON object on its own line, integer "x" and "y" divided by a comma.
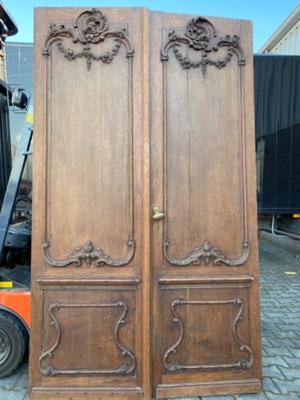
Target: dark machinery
{"x": 15, "y": 233}
{"x": 15, "y": 223}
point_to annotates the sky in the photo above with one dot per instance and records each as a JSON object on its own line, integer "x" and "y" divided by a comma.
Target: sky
{"x": 265, "y": 15}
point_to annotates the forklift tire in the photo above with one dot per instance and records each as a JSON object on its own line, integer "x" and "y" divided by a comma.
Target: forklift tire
{"x": 13, "y": 343}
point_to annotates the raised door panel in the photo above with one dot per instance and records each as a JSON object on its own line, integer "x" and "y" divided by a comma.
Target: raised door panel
{"x": 204, "y": 252}
{"x": 102, "y": 321}
{"x": 202, "y": 329}
{"x": 89, "y": 140}
{"x": 88, "y": 233}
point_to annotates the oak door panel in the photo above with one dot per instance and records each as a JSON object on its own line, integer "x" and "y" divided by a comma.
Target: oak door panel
{"x": 202, "y": 138}
{"x": 88, "y": 131}
{"x": 196, "y": 144}
{"x": 204, "y": 250}
{"x": 88, "y": 256}
{"x": 89, "y": 138}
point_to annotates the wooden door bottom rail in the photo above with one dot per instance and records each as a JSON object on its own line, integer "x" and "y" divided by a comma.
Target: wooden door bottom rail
{"x": 89, "y": 254}
{"x": 124, "y": 369}
{"x": 176, "y": 366}
{"x": 206, "y": 254}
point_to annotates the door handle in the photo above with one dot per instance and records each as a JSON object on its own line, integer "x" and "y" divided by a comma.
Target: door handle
{"x": 157, "y": 213}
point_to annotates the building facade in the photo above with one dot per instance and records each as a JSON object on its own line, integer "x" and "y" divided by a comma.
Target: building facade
{"x": 286, "y": 39}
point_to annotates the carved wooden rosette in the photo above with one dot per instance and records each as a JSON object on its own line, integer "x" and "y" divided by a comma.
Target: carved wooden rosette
{"x": 200, "y": 36}
{"x": 125, "y": 369}
{"x": 89, "y": 29}
{"x": 175, "y": 366}
{"x": 89, "y": 254}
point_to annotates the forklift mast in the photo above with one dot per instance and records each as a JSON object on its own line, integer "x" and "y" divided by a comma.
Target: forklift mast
{"x": 5, "y": 144}
{"x": 14, "y": 292}
{"x": 10, "y": 176}
{"x": 7, "y": 28}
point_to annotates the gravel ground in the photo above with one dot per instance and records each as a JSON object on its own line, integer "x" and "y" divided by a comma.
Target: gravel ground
{"x": 280, "y": 315}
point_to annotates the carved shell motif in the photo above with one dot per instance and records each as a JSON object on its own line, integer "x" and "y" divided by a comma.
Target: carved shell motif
{"x": 88, "y": 254}
{"x": 89, "y": 29}
{"x": 206, "y": 254}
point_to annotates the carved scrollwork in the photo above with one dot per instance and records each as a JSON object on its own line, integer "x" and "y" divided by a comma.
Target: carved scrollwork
{"x": 125, "y": 369}
{"x": 174, "y": 366}
{"x": 89, "y": 254}
{"x": 206, "y": 254}
{"x": 89, "y": 29}
{"x": 201, "y": 36}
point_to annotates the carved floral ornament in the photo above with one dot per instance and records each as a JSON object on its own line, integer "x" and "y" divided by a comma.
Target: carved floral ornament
{"x": 200, "y": 35}
{"x": 89, "y": 29}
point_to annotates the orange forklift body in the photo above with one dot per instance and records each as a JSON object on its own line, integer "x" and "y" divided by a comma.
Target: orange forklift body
{"x": 18, "y": 302}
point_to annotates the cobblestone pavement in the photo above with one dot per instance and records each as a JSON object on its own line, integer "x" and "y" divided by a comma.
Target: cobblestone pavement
{"x": 280, "y": 314}
{"x": 15, "y": 386}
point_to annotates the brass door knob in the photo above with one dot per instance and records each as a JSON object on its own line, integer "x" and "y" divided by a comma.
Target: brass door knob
{"x": 157, "y": 213}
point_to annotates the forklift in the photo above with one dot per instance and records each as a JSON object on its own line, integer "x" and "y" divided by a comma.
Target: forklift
{"x": 15, "y": 220}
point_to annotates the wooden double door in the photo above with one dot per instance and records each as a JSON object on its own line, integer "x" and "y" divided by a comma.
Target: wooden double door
{"x": 144, "y": 258}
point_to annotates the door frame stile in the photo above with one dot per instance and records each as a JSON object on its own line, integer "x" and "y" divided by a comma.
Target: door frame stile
{"x": 147, "y": 276}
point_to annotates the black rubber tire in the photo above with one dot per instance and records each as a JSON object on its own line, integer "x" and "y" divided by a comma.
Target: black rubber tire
{"x": 13, "y": 343}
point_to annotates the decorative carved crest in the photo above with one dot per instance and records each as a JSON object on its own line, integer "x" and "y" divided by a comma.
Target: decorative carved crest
{"x": 201, "y": 36}
{"x": 174, "y": 366}
{"x": 206, "y": 254}
{"x": 124, "y": 369}
{"x": 89, "y": 254}
{"x": 89, "y": 29}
